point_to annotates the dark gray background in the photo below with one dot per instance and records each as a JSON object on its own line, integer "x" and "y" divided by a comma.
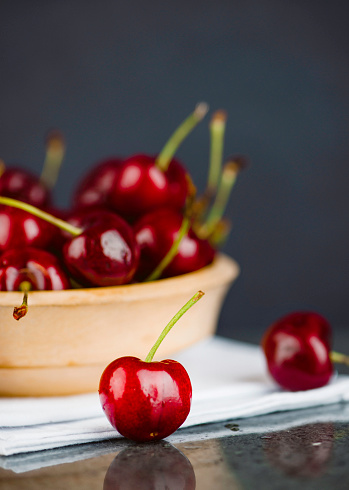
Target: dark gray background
{"x": 117, "y": 78}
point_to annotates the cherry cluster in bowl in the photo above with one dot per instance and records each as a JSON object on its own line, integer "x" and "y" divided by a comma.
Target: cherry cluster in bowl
{"x": 132, "y": 219}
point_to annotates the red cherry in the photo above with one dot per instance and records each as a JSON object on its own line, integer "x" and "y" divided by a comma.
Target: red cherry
{"x": 104, "y": 254}
{"x": 155, "y": 234}
{"x": 21, "y": 184}
{"x": 97, "y": 184}
{"x": 141, "y": 467}
{"x": 145, "y": 400}
{"x": 20, "y": 229}
{"x": 141, "y": 186}
{"x": 145, "y": 182}
{"x": 29, "y": 269}
{"x": 297, "y": 349}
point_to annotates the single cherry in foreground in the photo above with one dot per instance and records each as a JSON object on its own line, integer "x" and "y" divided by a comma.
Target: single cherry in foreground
{"x": 297, "y": 348}
{"x": 145, "y": 400}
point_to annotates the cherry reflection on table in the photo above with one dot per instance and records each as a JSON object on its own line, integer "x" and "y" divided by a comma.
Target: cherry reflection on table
{"x": 148, "y": 466}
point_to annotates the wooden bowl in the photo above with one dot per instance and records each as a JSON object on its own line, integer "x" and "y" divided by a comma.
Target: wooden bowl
{"x": 68, "y": 337}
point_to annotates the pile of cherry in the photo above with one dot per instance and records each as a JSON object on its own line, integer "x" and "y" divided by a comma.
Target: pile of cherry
{"x": 132, "y": 219}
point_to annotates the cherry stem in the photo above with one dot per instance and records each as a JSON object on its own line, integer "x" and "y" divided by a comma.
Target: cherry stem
{"x": 165, "y": 156}
{"x": 183, "y": 230}
{"x": 63, "y": 225}
{"x": 217, "y": 130}
{"x": 55, "y": 151}
{"x": 2, "y": 167}
{"x": 171, "y": 323}
{"x": 217, "y": 210}
{"x": 220, "y": 233}
{"x": 20, "y": 311}
{"x": 339, "y": 358}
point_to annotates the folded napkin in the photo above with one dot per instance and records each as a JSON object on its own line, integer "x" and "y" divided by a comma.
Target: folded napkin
{"x": 229, "y": 382}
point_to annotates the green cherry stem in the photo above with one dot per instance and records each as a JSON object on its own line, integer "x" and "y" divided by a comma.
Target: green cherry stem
{"x": 165, "y": 156}
{"x": 228, "y": 179}
{"x": 183, "y": 230}
{"x": 55, "y": 151}
{"x": 171, "y": 323}
{"x": 20, "y": 311}
{"x": 63, "y": 225}
{"x": 339, "y": 358}
{"x": 217, "y": 131}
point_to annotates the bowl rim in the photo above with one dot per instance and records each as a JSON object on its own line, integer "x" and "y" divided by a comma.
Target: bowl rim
{"x": 222, "y": 270}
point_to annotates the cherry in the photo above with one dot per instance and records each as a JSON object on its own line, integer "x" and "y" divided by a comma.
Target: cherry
{"x": 145, "y": 182}
{"x": 21, "y": 184}
{"x": 84, "y": 217}
{"x": 98, "y": 183}
{"x": 145, "y": 400}
{"x": 104, "y": 254}
{"x": 142, "y": 467}
{"x": 20, "y": 229}
{"x": 298, "y": 351}
{"x": 29, "y": 269}
{"x": 155, "y": 234}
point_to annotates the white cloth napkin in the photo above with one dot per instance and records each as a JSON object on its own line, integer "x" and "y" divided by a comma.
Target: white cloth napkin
{"x": 229, "y": 382}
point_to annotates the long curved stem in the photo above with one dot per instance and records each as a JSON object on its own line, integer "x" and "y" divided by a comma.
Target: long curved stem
{"x": 63, "y": 225}
{"x": 217, "y": 131}
{"x": 165, "y": 156}
{"x": 171, "y": 253}
{"x": 171, "y": 323}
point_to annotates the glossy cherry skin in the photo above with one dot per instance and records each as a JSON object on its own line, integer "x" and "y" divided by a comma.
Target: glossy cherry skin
{"x": 142, "y": 467}
{"x": 21, "y": 184}
{"x": 141, "y": 187}
{"x": 21, "y": 229}
{"x": 297, "y": 349}
{"x": 145, "y": 401}
{"x": 95, "y": 187}
{"x": 38, "y": 267}
{"x": 85, "y": 217}
{"x": 104, "y": 254}
{"x": 155, "y": 233}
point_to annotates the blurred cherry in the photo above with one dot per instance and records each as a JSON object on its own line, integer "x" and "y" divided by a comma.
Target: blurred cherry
{"x": 30, "y": 269}
{"x": 19, "y": 229}
{"x": 297, "y": 349}
{"x": 95, "y": 187}
{"x": 21, "y": 184}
